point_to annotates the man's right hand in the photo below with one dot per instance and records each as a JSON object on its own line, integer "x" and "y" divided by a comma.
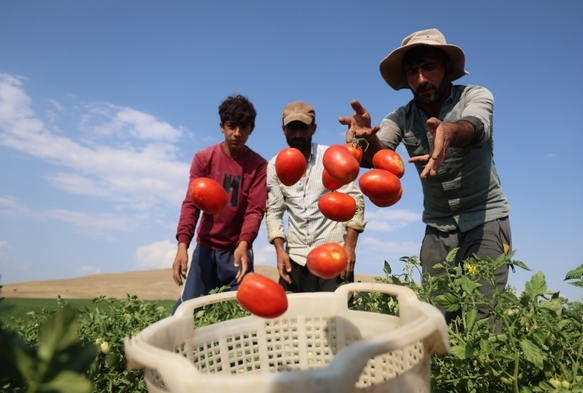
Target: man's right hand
{"x": 284, "y": 266}
{"x": 359, "y": 124}
{"x": 180, "y": 265}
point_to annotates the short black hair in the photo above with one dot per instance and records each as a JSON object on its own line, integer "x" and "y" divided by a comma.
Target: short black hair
{"x": 415, "y": 55}
{"x": 237, "y": 109}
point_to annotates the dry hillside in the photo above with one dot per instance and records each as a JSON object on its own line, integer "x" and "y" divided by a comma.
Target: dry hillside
{"x": 147, "y": 285}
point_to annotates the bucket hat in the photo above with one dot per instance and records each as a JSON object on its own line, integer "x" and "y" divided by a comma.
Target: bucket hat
{"x": 391, "y": 66}
{"x": 300, "y": 111}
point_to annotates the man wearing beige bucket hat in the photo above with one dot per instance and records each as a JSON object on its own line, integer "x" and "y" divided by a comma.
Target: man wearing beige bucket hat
{"x": 447, "y": 131}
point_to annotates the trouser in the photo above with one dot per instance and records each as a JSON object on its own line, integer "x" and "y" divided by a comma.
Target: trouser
{"x": 491, "y": 239}
{"x": 210, "y": 269}
{"x": 303, "y": 280}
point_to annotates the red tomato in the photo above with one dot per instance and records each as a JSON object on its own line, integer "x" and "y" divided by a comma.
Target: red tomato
{"x": 337, "y": 206}
{"x": 328, "y": 182}
{"x": 389, "y": 160}
{"x": 379, "y": 184}
{"x": 327, "y": 260}
{"x": 208, "y": 195}
{"x": 388, "y": 202}
{"x": 262, "y": 296}
{"x": 290, "y": 165}
{"x": 354, "y": 149}
{"x": 340, "y": 164}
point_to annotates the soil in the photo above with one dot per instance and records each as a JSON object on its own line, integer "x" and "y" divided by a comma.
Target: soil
{"x": 146, "y": 285}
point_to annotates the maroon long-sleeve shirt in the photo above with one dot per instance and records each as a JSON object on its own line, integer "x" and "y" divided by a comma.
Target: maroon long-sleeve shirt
{"x": 244, "y": 179}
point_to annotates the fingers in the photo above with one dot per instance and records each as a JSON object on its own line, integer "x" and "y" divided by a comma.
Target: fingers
{"x": 243, "y": 265}
{"x": 284, "y": 268}
{"x": 178, "y": 273}
{"x": 358, "y": 108}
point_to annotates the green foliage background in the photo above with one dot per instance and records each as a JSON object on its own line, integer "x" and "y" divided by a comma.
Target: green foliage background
{"x": 79, "y": 346}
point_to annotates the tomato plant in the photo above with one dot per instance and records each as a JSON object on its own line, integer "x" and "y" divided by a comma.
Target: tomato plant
{"x": 262, "y": 296}
{"x": 340, "y": 164}
{"x": 388, "y": 202}
{"x": 389, "y": 160}
{"x": 337, "y": 206}
{"x": 290, "y": 165}
{"x": 327, "y": 260}
{"x": 379, "y": 185}
{"x": 208, "y": 195}
{"x": 328, "y": 182}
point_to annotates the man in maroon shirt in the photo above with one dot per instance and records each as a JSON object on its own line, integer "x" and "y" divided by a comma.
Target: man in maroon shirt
{"x": 223, "y": 253}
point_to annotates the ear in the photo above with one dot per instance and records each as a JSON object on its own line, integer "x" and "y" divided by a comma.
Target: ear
{"x": 314, "y": 129}
{"x": 251, "y": 129}
{"x": 222, "y": 127}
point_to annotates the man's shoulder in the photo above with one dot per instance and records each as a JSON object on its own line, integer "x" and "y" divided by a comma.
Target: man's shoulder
{"x": 256, "y": 156}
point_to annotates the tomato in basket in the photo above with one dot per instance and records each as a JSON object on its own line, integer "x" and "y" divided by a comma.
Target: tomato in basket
{"x": 327, "y": 260}
{"x": 262, "y": 296}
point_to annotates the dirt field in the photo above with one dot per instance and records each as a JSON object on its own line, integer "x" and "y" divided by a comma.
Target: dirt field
{"x": 147, "y": 285}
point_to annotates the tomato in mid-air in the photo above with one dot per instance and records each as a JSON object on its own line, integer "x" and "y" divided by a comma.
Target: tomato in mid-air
{"x": 290, "y": 165}
{"x": 327, "y": 260}
{"x": 355, "y": 149}
{"x": 388, "y": 202}
{"x": 208, "y": 195}
{"x": 340, "y": 164}
{"x": 389, "y": 160}
{"x": 328, "y": 182}
{"x": 379, "y": 184}
{"x": 337, "y": 206}
{"x": 262, "y": 296}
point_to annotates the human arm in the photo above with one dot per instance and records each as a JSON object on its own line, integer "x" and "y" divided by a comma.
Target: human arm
{"x": 471, "y": 129}
{"x": 274, "y": 222}
{"x": 241, "y": 259}
{"x": 350, "y": 248}
{"x": 283, "y": 263}
{"x": 189, "y": 215}
{"x": 180, "y": 264}
{"x": 359, "y": 126}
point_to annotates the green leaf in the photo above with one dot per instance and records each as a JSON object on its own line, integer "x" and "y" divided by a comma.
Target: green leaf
{"x": 471, "y": 318}
{"x": 463, "y": 351}
{"x": 575, "y": 274}
{"x": 58, "y": 332}
{"x": 448, "y": 301}
{"x": 552, "y": 305}
{"x": 387, "y": 268}
{"x": 536, "y": 287}
{"x": 521, "y": 265}
{"x": 468, "y": 285}
{"x": 66, "y": 382}
{"x": 532, "y": 353}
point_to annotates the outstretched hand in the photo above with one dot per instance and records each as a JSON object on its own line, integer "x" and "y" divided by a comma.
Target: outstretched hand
{"x": 441, "y": 141}
{"x": 359, "y": 124}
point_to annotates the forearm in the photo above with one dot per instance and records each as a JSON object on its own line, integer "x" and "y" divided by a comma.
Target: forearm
{"x": 461, "y": 133}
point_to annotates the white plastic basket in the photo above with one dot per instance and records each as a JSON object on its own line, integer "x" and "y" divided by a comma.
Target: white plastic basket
{"x": 318, "y": 345}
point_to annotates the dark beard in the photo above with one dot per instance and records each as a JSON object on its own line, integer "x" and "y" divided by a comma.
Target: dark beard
{"x": 435, "y": 97}
{"x": 303, "y": 145}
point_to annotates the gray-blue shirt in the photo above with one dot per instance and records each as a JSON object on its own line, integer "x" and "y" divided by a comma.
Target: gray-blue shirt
{"x": 466, "y": 191}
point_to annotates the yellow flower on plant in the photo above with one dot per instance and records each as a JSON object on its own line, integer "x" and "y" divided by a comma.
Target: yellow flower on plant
{"x": 471, "y": 269}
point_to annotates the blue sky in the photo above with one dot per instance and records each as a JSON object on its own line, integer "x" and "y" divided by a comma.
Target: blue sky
{"x": 103, "y": 104}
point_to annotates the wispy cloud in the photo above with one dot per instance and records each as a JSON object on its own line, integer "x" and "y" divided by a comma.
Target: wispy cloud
{"x": 158, "y": 255}
{"x": 127, "y": 155}
{"x": 390, "y": 220}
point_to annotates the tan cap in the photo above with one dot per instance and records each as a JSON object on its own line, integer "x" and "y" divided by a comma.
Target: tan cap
{"x": 299, "y": 111}
{"x": 392, "y": 67}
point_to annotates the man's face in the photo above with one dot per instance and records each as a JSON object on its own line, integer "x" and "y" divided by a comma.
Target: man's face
{"x": 299, "y": 135}
{"x": 428, "y": 79}
{"x": 236, "y": 135}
